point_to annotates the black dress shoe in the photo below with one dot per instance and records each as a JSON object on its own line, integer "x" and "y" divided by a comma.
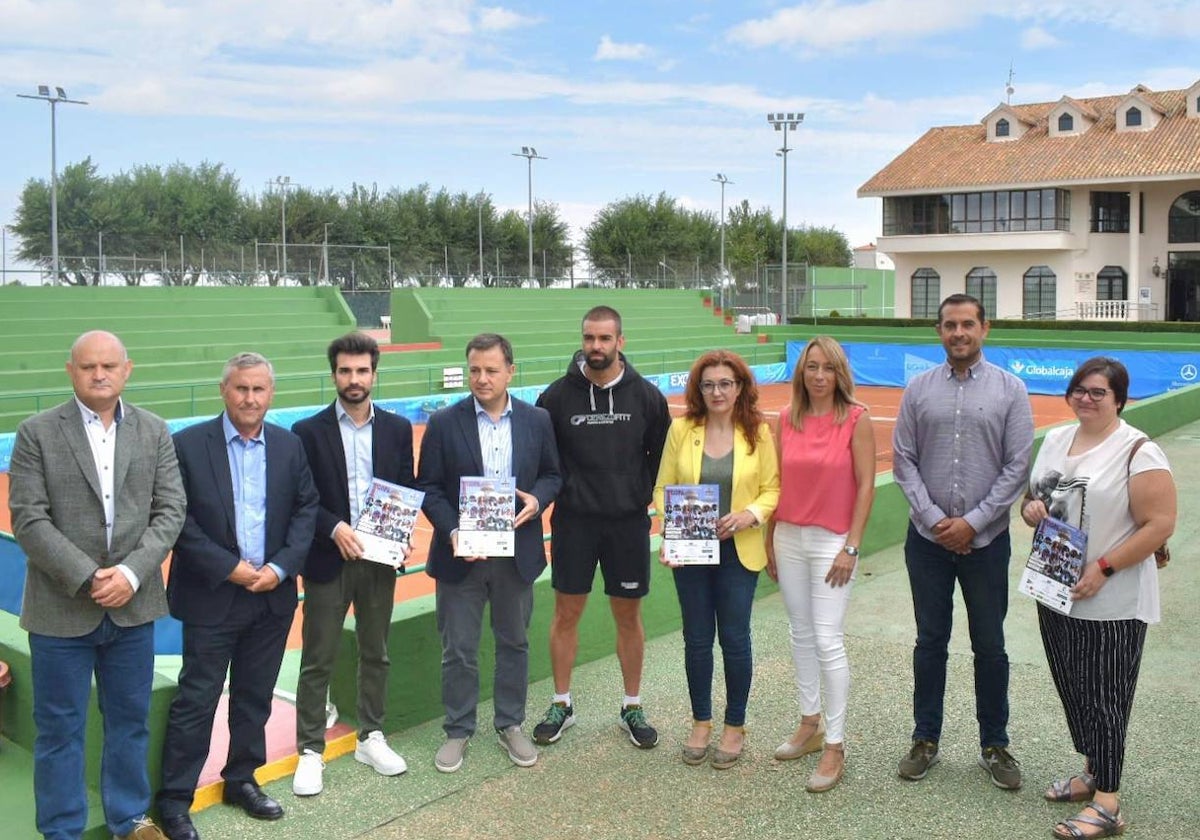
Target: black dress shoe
{"x": 249, "y": 797}
{"x": 180, "y": 827}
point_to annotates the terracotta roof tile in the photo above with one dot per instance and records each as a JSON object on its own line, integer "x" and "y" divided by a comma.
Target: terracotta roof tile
{"x": 960, "y": 157}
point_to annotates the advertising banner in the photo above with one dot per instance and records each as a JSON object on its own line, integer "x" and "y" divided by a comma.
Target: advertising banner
{"x": 1044, "y": 370}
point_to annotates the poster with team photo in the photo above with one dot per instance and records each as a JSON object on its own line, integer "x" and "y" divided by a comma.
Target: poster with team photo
{"x": 486, "y": 510}
{"x": 690, "y": 513}
{"x": 386, "y": 523}
{"x": 1054, "y": 565}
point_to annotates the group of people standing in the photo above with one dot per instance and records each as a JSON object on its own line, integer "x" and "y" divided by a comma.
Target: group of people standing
{"x": 100, "y": 492}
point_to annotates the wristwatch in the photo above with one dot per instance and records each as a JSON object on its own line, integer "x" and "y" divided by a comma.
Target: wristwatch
{"x": 851, "y": 550}
{"x": 1106, "y": 568}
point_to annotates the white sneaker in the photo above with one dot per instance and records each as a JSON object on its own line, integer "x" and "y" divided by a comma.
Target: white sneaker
{"x": 375, "y": 753}
{"x": 308, "y": 779}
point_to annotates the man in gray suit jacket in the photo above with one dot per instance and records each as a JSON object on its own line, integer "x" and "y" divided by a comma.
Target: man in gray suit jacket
{"x": 96, "y": 502}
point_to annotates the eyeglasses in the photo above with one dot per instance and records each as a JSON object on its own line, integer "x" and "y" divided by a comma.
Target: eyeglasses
{"x": 708, "y": 386}
{"x": 1094, "y": 394}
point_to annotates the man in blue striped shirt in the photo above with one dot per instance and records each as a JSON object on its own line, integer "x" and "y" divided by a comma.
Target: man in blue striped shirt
{"x": 962, "y": 444}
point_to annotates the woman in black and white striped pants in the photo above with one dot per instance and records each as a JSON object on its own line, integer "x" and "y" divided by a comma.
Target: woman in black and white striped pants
{"x": 1095, "y": 668}
{"x": 1105, "y": 478}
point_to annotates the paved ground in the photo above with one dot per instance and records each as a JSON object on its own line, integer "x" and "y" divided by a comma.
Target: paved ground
{"x": 595, "y": 784}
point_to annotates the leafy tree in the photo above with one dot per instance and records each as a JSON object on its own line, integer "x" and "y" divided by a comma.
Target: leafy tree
{"x": 638, "y": 236}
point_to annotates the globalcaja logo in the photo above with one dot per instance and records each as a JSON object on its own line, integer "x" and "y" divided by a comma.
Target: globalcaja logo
{"x": 1052, "y": 370}
{"x": 914, "y": 365}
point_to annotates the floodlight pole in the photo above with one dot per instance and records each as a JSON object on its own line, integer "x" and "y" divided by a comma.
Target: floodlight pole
{"x": 530, "y": 154}
{"x": 783, "y": 122}
{"x": 722, "y": 180}
{"x": 59, "y": 95}
{"x": 284, "y": 183}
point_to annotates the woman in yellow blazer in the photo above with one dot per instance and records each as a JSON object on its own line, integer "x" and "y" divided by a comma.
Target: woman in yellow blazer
{"x": 721, "y": 440}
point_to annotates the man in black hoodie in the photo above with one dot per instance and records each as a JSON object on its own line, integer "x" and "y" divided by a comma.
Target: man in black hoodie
{"x": 610, "y": 425}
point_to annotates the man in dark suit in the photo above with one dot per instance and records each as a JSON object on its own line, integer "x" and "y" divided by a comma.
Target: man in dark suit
{"x": 488, "y": 435}
{"x": 348, "y": 444}
{"x": 96, "y": 503}
{"x": 251, "y": 513}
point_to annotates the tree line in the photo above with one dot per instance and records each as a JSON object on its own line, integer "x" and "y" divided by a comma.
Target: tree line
{"x": 186, "y": 225}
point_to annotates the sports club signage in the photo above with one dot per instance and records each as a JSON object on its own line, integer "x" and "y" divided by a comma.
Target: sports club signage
{"x": 1044, "y": 370}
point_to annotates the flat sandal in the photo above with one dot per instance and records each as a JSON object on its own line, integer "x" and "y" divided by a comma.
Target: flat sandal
{"x": 1109, "y": 823}
{"x": 1063, "y": 790}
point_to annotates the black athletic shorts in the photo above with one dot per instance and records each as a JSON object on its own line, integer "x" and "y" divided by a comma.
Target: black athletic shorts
{"x": 620, "y": 544}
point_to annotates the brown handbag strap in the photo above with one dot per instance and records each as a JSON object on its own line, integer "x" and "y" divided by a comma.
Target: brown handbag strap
{"x": 1132, "y": 452}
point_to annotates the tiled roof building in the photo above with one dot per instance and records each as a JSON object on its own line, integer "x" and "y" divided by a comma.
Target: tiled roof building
{"x": 1079, "y": 208}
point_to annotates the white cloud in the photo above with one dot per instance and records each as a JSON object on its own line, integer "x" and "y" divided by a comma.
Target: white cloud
{"x": 498, "y": 19}
{"x": 832, "y": 25}
{"x": 1036, "y": 38}
{"x": 828, "y": 24}
{"x": 610, "y": 50}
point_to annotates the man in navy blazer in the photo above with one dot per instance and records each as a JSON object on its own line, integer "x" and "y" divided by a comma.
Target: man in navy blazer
{"x": 251, "y": 511}
{"x": 489, "y": 435}
{"x": 348, "y": 444}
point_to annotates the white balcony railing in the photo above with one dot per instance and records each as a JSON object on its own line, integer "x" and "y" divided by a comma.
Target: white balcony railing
{"x": 1102, "y": 310}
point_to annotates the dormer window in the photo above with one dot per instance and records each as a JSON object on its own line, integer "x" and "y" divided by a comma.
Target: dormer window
{"x": 1001, "y": 128}
{"x": 1133, "y": 117}
{"x": 1066, "y": 122}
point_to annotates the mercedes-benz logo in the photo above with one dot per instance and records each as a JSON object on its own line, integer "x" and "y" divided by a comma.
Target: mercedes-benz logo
{"x": 1187, "y": 372}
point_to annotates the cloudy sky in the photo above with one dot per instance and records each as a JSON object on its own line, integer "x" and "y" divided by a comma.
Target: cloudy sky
{"x": 620, "y": 97}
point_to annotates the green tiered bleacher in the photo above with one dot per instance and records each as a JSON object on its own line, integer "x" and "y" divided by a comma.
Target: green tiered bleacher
{"x": 180, "y": 337}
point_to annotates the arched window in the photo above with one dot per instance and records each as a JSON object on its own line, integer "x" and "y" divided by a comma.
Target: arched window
{"x": 1133, "y": 117}
{"x": 1183, "y": 220}
{"x": 926, "y": 293}
{"x": 1111, "y": 283}
{"x": 1001, "y": 128}
{"x": 1066, "y": 122}
{"x": 981, "y": 285}
{"x": 1039, "y": 298}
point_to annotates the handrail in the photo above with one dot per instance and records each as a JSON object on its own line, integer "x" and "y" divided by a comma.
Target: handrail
{"x": 431, "y": 380}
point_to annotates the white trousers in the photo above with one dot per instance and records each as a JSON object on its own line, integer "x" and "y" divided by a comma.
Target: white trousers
{"x": 816, "y": 613}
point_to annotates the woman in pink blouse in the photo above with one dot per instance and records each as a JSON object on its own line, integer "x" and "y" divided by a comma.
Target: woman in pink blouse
{"x": 827, "y": 473}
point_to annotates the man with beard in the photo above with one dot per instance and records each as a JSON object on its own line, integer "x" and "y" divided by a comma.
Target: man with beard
{"x": 348, "y": 444}
{"x": 610, "y": 425}
{"x": 962, "y": 446}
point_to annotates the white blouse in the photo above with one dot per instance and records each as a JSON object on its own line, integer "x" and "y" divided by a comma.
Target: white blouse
{"x": 1091, "y": 492}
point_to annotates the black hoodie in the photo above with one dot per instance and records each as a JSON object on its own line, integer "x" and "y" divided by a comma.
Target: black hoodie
{"x": 610, "y": 440}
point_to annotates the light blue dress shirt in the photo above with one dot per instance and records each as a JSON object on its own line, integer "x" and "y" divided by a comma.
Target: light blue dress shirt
{"x": 248, "y": 469}
{"x": 495, "y": 440}
{"x": 360, "y": 469}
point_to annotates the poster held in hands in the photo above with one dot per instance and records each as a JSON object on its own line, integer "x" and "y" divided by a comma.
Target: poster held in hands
{"x": 386, "y": 523}
{"x": 1055, "y": 564}
{"x": 690, "y": 513}
{"x": 486, "y": 510}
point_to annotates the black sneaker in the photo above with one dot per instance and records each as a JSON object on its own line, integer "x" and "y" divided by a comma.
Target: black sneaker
{"x": 641, "y": 733}
{"x": 1001, "y": 766}
{"x": 922, "y": 756}
{"x": 559, "y": 718}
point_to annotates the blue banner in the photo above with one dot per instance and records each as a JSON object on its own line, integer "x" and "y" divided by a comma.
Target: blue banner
{"x": 1044, "y": 370}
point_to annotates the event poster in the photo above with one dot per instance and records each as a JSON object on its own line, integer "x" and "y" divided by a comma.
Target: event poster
{"x": 486, "y": 510}
{"x": 690, "y": 513}
{"x": 386, "y": 523}
{"x": 1054, "y": 565}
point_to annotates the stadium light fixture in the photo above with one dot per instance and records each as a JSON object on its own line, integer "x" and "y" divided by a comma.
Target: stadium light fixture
{"x": 789, "y": 121}
{"x": 530, "y": 154}
{"x": 58, "y": 96}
